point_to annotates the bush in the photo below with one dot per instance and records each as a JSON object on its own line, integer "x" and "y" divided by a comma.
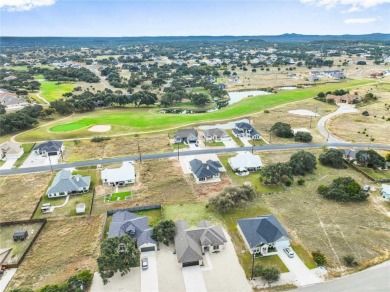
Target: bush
{"x": 332, "y": 158}
{"x": 319, "y": 258}
{"x": 343, "y": 189}
{"x": 270, "y": 274}
{"x": 303, "y": 137}
{"x": 266, "y": 111}
{"x": 365, "y": 113}
{"x": 301, "y": 182}
{"x": 276, "y": 173}
{"x": 370, "y": 158}
{"x": 232, "y": 197}
{"x": 282, "y": 130}
{"x": 73, "y": 284}
{"x": 350, "y": 261}
{"x": 288, "y": 183}
{"x": 99, "y": 139}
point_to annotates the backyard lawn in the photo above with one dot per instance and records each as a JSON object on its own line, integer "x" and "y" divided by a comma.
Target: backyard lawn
{"x": 118, "y": 196}
{"x": 375, "y": 174}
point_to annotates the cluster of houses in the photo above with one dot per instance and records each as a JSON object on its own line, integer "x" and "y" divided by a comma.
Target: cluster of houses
{"x": 10, "y": 100}
{"x": 332, "y": 74}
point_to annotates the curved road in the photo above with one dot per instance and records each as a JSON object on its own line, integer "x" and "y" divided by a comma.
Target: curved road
{"x": 269, "y": 147}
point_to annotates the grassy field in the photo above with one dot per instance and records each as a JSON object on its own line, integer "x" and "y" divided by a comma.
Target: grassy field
{"x": 18, "y": 248}
{"x": 132, "y": 120}
{"x": 65, "y": 247}
{"x": 214, "y": 144}
{"x": 20, "y": 193}
{"x": 51, "y": 90}
{"x": 235, "y": 139}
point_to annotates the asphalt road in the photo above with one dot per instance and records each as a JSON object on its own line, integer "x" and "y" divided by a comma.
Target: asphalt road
{"x": 268, "y": 147}
{"x": 375, "y": 279}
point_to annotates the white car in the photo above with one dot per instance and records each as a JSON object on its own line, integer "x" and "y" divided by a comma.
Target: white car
{"x": 289, "y": 252}
{"x": 144, "y": 262}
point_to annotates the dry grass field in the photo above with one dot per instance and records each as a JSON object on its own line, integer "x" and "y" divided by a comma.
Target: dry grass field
{"x": 337, "y": 229}
{"x": 65, "y": 247}
{"x": 358, "y": 128}
{"x": 264, "y": 121}
{"x": 118, "y": 146}
{"x": 19, "y": 194}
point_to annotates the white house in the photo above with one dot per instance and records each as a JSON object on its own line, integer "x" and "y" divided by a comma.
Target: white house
{"x": 10, "y": 150}
{"x": 385, "y": 192}
{"x": 245, "y": 162}
{"x": 121, "y": 176}
{"x": 263, "y": 234}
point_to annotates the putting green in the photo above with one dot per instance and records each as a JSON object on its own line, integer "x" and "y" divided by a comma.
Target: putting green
{"x": 69, "y": 127}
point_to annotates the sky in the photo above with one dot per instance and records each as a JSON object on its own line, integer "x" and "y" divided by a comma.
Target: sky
{"x": 192, "y": 17}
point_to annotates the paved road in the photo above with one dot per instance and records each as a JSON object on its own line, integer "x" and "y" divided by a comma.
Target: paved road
{"x": 344, "y": 108}
{"x": 269, "y": 147}
{"x": 375, "y": 279}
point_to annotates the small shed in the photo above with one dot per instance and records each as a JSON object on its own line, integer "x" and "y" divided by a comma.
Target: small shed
{"x": 80, "y": 208}
{"x": 20, "y": 235}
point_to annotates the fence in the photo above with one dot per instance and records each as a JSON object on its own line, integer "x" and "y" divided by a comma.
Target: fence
{"x": 93, "y": 198}
{"x": 36, "y": 207}
{"x": 365, "y": 174}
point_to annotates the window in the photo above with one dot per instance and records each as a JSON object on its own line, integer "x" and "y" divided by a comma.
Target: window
{"x": 215, "y": 247}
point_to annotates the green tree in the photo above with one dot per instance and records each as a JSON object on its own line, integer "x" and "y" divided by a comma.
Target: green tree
{"x": 282, "y": 130}
{"x": 332, "y": 158}
{"x": 117, "y": 254}
{"x": 302, "y": 162}
{"x": 277, "y": 173}
{"x": 2, "y": 109}
{"x": 370, "y": 158}
{"x": 164, "y": 231}
{"x": 319, "y": 258}
{"x": 199, "y": 99}
{"x": 303, "y": 137}
{"x": 343, "y": 189}
{"x": 232, "y": 197}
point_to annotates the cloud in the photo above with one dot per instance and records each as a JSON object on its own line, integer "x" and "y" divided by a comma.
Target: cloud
{"x": 356, "y": 5}
{"x": 359, "y": 20}
{"x": 24, "y": 5}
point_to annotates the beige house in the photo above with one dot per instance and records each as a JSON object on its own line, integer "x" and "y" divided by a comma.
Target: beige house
{"x": 11, "y": 150}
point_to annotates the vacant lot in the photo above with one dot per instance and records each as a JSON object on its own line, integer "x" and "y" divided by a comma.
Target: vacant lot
{"x": 53, "y": 90}
{"x": 118, "y": 146}
{"x": 20, "y": 193}
{"x": 18, "y": 248}
{"x": 65, "y": 247}
{"x": 358, "y": 128}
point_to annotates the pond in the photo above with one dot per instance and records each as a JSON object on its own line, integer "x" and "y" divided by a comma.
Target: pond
{"x": 236, "y": 96}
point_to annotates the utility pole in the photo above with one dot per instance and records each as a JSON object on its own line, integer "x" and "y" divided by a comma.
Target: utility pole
{"x": 51, "y": 167}
{"x": 178, "y": 151}
{"x": 139, "y": 152}
{"x": 253, "y": 263}
{"x": 369, "y": 144}
{"x": 270, "y": 136}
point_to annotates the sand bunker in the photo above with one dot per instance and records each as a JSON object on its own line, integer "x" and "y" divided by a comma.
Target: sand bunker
{"x": 100, "y": 128}
{"x": 303, "y": 112}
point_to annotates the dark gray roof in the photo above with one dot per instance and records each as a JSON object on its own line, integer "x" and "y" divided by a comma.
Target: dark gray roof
{"x": 351, "y": 153}
{"x": 20, "y": 233}
{"x": 124, "y": 222}
{"x": 49, "y": 146}
{"x": 185, "y": 133}
{"x": 262, "y": 229}
{"x": 188, "y": 242}
{"x": 203, "y": 170}
{"x": 65, "y": 182}
{"x": 244, "y": 125}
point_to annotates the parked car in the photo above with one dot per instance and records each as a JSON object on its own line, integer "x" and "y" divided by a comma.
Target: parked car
{"x": 289, "y": 252}
{"x": 144, "y": 262}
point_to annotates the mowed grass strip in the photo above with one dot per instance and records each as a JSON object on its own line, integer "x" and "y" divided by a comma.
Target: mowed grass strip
{"x": 52, "y": 90}
{"x": 147, "y": 119}
{"x": 69, "y": 127}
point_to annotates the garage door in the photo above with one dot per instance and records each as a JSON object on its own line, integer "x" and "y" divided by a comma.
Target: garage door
{"x": 150, "y": 248}
{"x": 196, "y": 263}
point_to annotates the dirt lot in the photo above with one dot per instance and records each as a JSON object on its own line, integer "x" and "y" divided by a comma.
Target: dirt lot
{"x": 360, "y": 128}
{"x": 64, "y": 247}
{"x": 20, "y": 193}
{"x": 264, "y": 121}
{"x": 337, "y": 229}
{"x": 118, "y": 146}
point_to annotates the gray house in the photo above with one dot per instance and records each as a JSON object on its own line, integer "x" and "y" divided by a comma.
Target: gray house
{"x": 124, "y": 222}
{"x": 20, "y": 235}
{"x": 246, "y": 130}
{"x": 216, "y": 135}
{"x": 263, "y": 233}
{"x": 205, "y": 171}
{"x": 65, "y": 183}
{"x": 186, "y": 136}
{"x": 192, "y": 243}
{"x": 50, "y": 148}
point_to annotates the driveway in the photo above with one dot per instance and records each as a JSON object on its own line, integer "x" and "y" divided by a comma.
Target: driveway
{"x": 8, "y": 163}
{"x": 245, "y": 140}
{"x": 6, "y": 278}
{"x": 230, "y": 143}
{"x": 128, "y": 283}
{"x": 34, "y": 160}
{"x": 149, "y": 277}
{"x": 193, "y": 279}
{"x": 344, "y": 108}
{"x": 303, "y": 275}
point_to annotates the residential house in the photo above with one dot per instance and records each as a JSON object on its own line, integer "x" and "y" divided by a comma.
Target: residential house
{"x": 263, "y": 234}
{"x": 137, "y": 227}
{"x": 186, "y": 136}
{"x": 11, "y": 150}
{"x": 350, "y": 154}
{"x": 216, "y": 135}
{"x": 346, "y": 98}
{"x": 246, "y": 130}
{"x": 245, "y": 162}
{"x": 313, "y": 78}
{"x": 50, "y": 148}
{"x": 65, "y": 184}
{"x": 121, "y": 176}
{"x": 334, "y": 74}
{"x": 20, "y": 235}
{"x": 206, "y": 171}
{"x": 11, "y": 100}
{"x": 192, "y": 243}
{"x": 222, "y": 86}
{"x": 385, "y": 192}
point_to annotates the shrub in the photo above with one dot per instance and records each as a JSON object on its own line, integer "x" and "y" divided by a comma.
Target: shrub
{"x": 270, "y": 274}
{"x": 282, "y": 130}
{"x": 350, "y": 261}
{"x": 301, "y": 182}
{"x": 303, "y": 137}
{"x": 319, "y": 258}
{"x": 288, "y": 183}
{"x": 99, "y": 139}
{"x": 365, "y": 113}
{"x": 73, "y": 284}
{"x": 332, "y": 158}
{"x": 370, "y": 158}
{"x": 266, "y": 111}
{"x": 232, "y": 197}
{"x": 276, "y": 173}
{"x": 343, "y": 189}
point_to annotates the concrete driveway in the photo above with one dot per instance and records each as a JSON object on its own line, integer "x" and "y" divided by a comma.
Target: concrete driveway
{"x": 230, "y": 143}
{"x": 193, "y": 279}
{"x": 245, "y": 140}
{"x": 149, "y": 277}
{"x": 37, "y": 160}
{"x": 8, "y": 163}
{"x": 6, "y": 278}
{"x": 344, "y": 108}
{"x": 303, "y": 275}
